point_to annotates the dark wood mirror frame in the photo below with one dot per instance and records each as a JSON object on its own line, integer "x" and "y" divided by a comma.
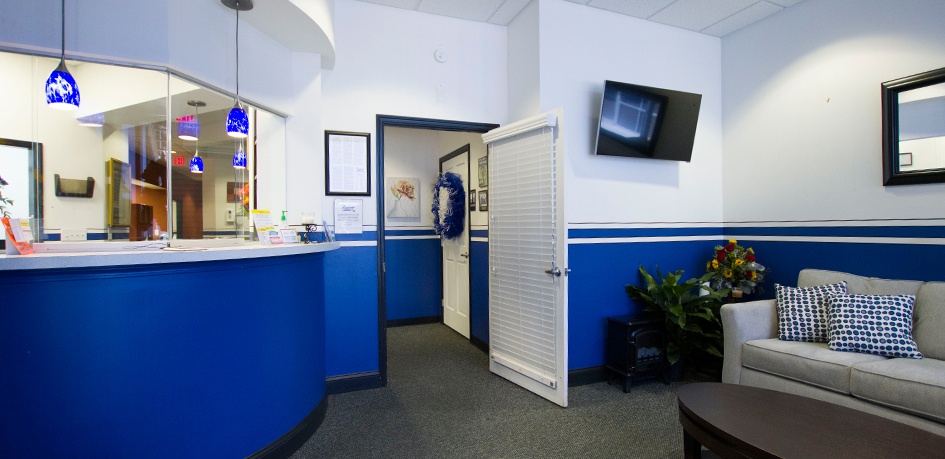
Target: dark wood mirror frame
{"x": 890, "y": 101}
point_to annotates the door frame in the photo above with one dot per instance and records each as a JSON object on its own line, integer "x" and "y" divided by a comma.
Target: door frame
{"x": 384, "y": 121}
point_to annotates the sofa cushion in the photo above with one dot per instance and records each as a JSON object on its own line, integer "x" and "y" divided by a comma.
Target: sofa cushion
{"x": 858, "y": 284}
{"x": 913, "y": 386}
{"x": 874, "y": 324}
{"x": 802, "y": 312}
{"x": 928, "y": 326}
{"x": 814, "y": 277}
{"x": 811, "y": 363}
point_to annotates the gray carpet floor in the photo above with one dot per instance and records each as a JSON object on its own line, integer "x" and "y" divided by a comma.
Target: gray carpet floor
{"x": 442, "y": 402}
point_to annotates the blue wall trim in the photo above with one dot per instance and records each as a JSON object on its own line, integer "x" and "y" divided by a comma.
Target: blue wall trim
{"x": 479, "y": 233}
{"x": 409, "y": 232}
{"x": 365, "y": 236}
{"x": 842, "y": 231}
{"x": 641, "y": 232}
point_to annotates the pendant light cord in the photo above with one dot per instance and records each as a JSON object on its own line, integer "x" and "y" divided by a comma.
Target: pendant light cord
{"x": 237, "y": 51}
{"x": 62, "y": 56}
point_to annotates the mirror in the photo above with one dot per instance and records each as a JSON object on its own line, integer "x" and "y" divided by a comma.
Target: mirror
{"x": 913, "y": 129}
{"x": 21, "y": 166}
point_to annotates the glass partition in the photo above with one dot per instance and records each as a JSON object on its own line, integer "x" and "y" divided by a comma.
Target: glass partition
{"x": 136, "y": 135}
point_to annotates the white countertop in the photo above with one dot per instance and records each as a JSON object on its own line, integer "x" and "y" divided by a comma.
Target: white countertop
{"x": 54, "y": 260}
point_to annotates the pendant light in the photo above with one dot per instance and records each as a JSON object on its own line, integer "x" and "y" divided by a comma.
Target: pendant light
{"x": 62, "y": 92}
{"x": 239, "y": 158}
{"x": 237, "y": 123}
{"x": 188, "y": 128}
{"x": 196, "y": 163}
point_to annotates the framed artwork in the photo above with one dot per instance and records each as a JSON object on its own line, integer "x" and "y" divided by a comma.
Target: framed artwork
{"x": 472, "y": 200}
{"x": 905, "y": 159}
{"x": 347, "y": 163}
{"x": 483, "y": 172}
{"x": 402, "y": 197}
{"x": 483, "y": 200}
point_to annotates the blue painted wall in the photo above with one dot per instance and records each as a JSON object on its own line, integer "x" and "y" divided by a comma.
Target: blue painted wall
{"x": 172, "y": 360}
{"x": 351, "y": 312}
{"x": 479, "y": 287}
{"x": 414, "y": 286}
{"x": 600, "y": 268}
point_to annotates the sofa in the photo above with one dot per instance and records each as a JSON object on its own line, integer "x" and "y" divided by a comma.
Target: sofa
{"x": 909, "y": 390}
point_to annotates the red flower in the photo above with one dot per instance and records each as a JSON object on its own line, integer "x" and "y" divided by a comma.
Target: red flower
{"x": 720, "y": 255}
{"x": 730, "y": 247}
{"x": 749, "y": 275}
{"x": 750, "y": 258}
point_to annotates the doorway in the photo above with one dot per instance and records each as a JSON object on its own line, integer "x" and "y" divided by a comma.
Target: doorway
{"x": 386, "y": 121}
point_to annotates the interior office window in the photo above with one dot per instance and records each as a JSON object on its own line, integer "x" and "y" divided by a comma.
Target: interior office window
{"x": 133, "y": 138}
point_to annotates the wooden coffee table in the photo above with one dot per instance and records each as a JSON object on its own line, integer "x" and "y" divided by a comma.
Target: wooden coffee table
{"x": 741, "y": 421}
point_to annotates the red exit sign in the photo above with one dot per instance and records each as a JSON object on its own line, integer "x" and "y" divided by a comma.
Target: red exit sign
{"x": 180, "y": 160}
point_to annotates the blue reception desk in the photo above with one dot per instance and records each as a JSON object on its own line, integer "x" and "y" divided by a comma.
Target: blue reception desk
{"x": 215, "y": 353}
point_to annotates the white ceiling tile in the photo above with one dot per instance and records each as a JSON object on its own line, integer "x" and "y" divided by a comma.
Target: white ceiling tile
{"x": 405, "y": 4}
{"x": 785, "y": 3}
{"x": 745, "y": 17}
{"x": 699, "y": 14}
{"x": 478, "y": 10}
{"x": 508, "y": 11}
{"x": 637, "y": 8}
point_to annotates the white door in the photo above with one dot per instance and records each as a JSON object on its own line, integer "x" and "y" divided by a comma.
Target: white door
{"x": 456, "y": 253}
{"x": 528, "y": 310}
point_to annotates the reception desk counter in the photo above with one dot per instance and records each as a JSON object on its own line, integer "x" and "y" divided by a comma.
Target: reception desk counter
{"x": 206, "y": 353}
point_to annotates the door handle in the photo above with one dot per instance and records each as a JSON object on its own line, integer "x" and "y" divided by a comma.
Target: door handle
{"x": 556, "y": 271}
{"x": 464, "y": 255}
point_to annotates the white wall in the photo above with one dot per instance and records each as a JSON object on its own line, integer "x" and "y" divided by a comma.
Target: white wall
{"x": 415, "y": 153}
{"x": 524, "y": 59}
{"x": 580, "y": 48}
{"x": 385, "y": 66}
{"x": 802, "y": 109}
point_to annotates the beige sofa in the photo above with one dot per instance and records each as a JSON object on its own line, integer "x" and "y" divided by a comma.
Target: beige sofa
{"x": 907, "y": 390}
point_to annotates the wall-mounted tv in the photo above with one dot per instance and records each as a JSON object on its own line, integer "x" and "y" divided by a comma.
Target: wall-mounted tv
{"x": 645, "y": 122}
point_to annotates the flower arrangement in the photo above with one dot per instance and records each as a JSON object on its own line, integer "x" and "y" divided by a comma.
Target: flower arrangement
{"x": 4, "y": 202}
{"x": 735, "y": 267}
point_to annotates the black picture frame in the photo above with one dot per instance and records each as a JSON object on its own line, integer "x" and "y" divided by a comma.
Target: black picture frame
{"x": 483, "y": 200}
{"x": 472, "y": 200}
{"x": 890, "y": 91}
{"x": 340, "y": 157}
{"x": 905, "y": 159}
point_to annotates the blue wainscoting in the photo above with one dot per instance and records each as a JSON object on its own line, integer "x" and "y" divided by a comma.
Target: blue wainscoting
{"x": 479, "y": 286}
{"x": 414, "y": 289}
{"x": 351, "y": 312}
{"x": 603, "y": 261}
{"x": 200, "y": 359}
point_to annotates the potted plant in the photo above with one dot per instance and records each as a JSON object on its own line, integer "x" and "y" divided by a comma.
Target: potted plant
{"x": 735, "y": 267}
{"x": 692, "y": 319}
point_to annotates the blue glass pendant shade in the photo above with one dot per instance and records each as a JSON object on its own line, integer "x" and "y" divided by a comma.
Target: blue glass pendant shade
{"x": 196, "y": 165}
{"x": 237, "y": 123}
{"x": 188, "y": 129}
{"x": 239, "y": 160}
{"x": 62, "y": 92}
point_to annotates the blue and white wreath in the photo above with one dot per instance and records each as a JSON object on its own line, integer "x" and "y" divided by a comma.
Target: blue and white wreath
{"x": 452, "y": 223}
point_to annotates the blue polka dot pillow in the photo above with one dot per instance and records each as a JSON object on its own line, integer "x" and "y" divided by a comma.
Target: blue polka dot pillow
{"x": 873, "y": 324}
{"x": 802, "y": 312}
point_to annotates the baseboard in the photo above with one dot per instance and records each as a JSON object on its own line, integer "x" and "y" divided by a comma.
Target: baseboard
{"x": 353, "y": 382}
{"x": 589, "y": 375}
{"x": 414, "y": 321}
{"x": 292, "y": 440}
{"x": 480, "y": 344}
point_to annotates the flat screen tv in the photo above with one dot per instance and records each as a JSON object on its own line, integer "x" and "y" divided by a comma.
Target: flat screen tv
{"x": 645, "y": 122}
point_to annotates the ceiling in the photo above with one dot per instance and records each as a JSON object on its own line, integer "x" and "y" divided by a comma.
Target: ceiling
{"x": 712, "y": 17}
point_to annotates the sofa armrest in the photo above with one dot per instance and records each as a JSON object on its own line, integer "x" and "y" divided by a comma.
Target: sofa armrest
{"x": 744, "y": 322}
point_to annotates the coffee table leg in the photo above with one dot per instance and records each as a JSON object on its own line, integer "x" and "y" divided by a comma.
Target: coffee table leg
{"x": 691, "y": 448}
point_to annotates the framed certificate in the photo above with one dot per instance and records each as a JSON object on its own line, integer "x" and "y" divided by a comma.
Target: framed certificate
{"x": 347, "y": 163}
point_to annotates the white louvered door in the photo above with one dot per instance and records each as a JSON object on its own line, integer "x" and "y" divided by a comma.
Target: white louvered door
{"x": 527, "y": 257}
